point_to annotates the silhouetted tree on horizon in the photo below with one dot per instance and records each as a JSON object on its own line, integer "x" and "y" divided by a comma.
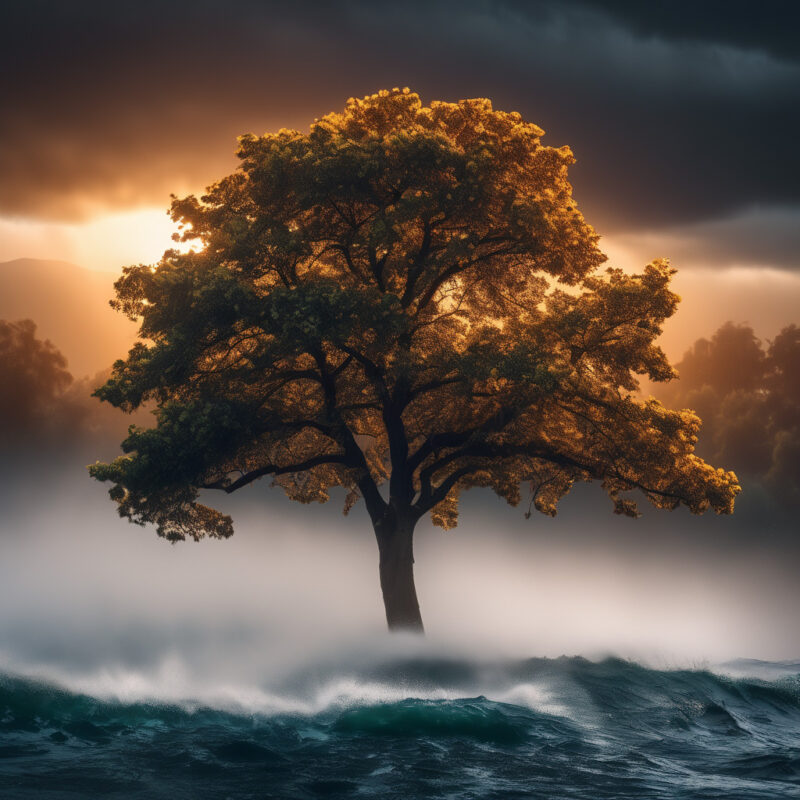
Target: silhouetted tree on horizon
{"x": 44, "y": 411}
{"x": 34, "y": 404}
{"x": 748, "y": 396}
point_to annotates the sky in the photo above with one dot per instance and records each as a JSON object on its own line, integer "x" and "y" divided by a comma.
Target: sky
{"x": 684, "y": 118}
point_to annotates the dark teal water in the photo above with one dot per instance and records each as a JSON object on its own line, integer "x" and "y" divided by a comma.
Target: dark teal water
{"x": 563, "y": 728}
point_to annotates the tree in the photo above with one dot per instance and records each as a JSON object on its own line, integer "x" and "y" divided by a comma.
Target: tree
{"x": 749, "y": 399}
{"x": 34, "y": 402}
{"x": 404, "y": 302}
{"x": 731, "y": 360}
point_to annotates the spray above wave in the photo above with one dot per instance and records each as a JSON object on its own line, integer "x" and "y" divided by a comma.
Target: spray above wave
{"x": 268, "y": 686}
{"x": 421, "y": 727}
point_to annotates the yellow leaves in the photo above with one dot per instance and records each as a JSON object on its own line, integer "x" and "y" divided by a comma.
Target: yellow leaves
{"x": 626, "y": 507}
{"x": 350, "y": 500}
{"x": 445, "y": 514}
{"x": 397, "y": 249}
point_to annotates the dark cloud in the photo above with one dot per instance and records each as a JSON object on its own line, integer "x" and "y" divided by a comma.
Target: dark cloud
{"x": 676, "y": 113}
{"x": 771, "y": 27}
{"x": 754, "y": 237}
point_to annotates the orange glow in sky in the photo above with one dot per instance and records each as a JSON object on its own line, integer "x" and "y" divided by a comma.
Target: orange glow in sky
{"x": 106, "y": 242}
{"x": 765, "y": 298}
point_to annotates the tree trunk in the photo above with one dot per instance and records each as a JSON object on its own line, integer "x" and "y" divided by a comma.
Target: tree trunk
{"x": 395, "y": 545}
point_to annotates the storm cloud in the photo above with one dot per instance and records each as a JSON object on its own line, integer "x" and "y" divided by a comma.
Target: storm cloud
{"x": 677, "y": 117}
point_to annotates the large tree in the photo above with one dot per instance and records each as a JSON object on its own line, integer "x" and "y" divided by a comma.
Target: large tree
{"x": 404, "y": 302}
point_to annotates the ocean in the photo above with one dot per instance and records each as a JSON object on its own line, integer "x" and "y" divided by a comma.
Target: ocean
{"x": 417, "y": 727}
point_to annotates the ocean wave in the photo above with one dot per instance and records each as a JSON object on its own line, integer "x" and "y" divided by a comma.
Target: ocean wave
{"x": 415, "y": 727}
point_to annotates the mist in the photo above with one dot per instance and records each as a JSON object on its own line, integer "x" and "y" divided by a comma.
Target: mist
{"x": 105, "y": 607}
{"x": 92, "y": 602}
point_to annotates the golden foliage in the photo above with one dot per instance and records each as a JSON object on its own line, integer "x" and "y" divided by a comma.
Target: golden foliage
{"x": 406, "y": 295}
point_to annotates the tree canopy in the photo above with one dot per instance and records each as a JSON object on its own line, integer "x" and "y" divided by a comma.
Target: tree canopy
{"x": 34, "y": 403}
{"x": 748, "y": 395}
{"x": 43, "y": 409}
{"x": 405, "y": 302}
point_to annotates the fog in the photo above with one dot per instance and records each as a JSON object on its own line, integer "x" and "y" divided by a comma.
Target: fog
{"x": 91, "y": 601}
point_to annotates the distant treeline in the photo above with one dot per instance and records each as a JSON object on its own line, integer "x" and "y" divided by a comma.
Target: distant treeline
{"x": 41, "y": 404}
{"x": 748, "y": 395}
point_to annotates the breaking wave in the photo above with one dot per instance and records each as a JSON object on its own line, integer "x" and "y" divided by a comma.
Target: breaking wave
{"x": 411, "y": 728}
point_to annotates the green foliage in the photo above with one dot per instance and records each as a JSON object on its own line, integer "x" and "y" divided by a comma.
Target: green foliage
{"x": 162, "y": 463}
{"x": 405, "y": 295}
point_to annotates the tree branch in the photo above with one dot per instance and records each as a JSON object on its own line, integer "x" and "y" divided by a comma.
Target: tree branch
{"x": 452, "y": 271}
{"x": 342, "y": 433}
{"x": 432, "y": 386}
{"x": 438, "y": 441}
{"x": 274, "y": 469}
{"x": 419, "y": 263}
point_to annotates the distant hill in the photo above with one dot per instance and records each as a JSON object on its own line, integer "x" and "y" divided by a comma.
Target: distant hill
{"x": 69, "y": 305}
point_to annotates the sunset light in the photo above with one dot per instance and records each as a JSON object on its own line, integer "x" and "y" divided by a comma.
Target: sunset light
{"x": 103, "y": 242}
{"x": 457, "y": 457}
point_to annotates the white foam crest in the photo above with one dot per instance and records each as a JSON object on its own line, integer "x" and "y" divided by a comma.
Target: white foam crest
{"x": 534, "y": 696}
{"x": 173, "y": 684}
{"x": 336, "y": 694}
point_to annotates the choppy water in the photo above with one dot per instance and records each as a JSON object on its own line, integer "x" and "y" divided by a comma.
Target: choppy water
{"x": 420, "y": 728}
